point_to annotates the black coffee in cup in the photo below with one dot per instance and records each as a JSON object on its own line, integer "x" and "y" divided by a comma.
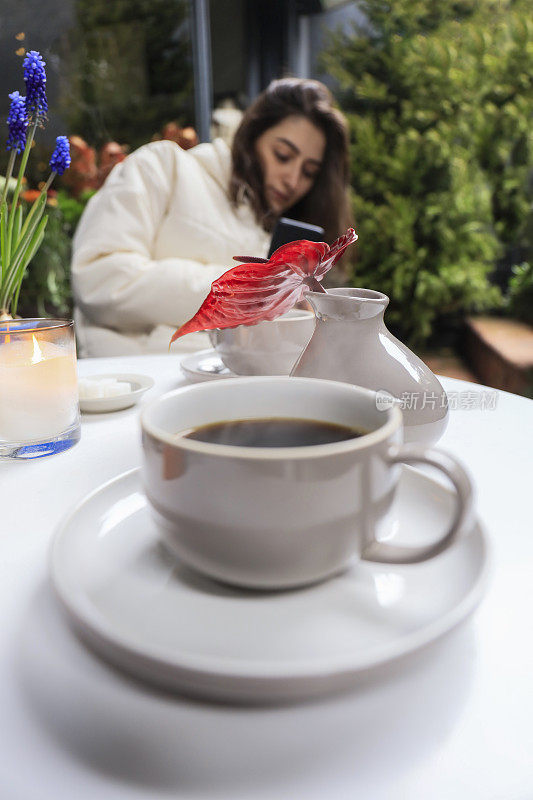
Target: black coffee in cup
{"x": 275, "y": 432}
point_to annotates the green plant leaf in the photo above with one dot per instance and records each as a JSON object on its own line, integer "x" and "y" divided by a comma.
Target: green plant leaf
{"x": 35, "y": 212}
{"x": 29, "y": 252}
{"x": 16, "y": 227}
{"x": 3, "y": 243}
{"x": 10, "y": 285}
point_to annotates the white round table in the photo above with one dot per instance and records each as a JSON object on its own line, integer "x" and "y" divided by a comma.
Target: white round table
{"x": 453, "y": 721}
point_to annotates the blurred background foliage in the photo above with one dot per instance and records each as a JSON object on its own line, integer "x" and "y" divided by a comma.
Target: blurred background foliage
{"x": 439, "y": 98}
{"x": 127, "y": 68}
{"x": 440, "y": 104}
{"x": 520, "y": 295}
{"x": 126, "y": 72}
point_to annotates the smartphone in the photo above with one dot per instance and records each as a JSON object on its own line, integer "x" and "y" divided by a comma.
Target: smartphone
{"x": 290, "y": 230}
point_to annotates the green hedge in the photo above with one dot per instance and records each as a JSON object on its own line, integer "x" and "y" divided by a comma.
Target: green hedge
{"x": 439, "y": 98}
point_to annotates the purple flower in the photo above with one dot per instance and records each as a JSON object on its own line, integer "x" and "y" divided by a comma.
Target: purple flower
{"x": 60, "y": 160}
{"x": 17, "y": 123}
{"x": 35, "y": 80}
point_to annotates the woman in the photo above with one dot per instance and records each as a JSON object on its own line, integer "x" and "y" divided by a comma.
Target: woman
{"x": 168, "y": 222}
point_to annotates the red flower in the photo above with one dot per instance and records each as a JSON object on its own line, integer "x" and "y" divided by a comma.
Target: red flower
{"x": 30, "y": 195}
{"x": 185, "y": 137}
{"x": 262, "y": 290}
{"x": 85, "y": 173}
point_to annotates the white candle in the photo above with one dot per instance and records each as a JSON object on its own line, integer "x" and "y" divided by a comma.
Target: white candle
{"x": 38, "y": 389}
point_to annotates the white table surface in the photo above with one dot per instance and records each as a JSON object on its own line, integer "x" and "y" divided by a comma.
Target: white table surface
{"x": 453, "y": 721}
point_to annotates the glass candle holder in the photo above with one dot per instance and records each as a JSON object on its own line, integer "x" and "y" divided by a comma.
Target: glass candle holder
{"x": 39, "y": 404}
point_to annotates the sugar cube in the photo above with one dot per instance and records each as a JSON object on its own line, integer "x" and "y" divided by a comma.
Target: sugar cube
{"x": 97, "y": 388}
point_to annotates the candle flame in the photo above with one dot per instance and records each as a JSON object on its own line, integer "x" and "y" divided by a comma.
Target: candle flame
{"x": 37, "y": 354}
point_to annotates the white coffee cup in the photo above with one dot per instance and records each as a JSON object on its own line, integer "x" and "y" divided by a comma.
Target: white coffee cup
{"x": 268, "y": 348}
{"x": 281, "y": 517}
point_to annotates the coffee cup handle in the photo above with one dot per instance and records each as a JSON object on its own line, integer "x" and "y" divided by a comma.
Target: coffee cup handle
{"x": 412, "y": 454}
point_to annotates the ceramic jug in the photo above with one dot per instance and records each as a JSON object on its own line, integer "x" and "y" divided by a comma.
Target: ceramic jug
{"x": 350, "y": 343}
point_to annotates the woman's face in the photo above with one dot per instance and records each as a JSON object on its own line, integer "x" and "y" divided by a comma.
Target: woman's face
{"x": 290, "y": 154}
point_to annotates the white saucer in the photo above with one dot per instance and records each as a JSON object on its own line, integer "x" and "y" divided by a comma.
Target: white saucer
{"x": 205, "y": 365}
{"x": 139, "y": 385}
{"x": 140, "y": 609}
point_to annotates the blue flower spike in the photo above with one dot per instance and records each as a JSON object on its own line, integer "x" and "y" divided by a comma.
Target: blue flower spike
{"x": 60, "y": 160}
{"x": 35, "y": 80}
{"x": 17, "y": 123}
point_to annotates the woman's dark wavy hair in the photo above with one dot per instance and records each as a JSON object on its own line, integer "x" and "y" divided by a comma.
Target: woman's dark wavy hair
{"x": 327, "y": 202}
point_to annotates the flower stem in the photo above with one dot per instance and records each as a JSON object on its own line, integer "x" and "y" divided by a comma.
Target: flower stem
{"x": 49, "y": 182}
{"x": 39, "y": 203}
{"x": 9, "y": 172}
{"x": 22, "y": 168}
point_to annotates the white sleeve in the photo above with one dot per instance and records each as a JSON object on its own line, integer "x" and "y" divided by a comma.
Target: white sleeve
{"x": 115, "y": 281}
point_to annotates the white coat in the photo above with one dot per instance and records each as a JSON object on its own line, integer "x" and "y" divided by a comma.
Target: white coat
{"x": 149, "y": 245}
